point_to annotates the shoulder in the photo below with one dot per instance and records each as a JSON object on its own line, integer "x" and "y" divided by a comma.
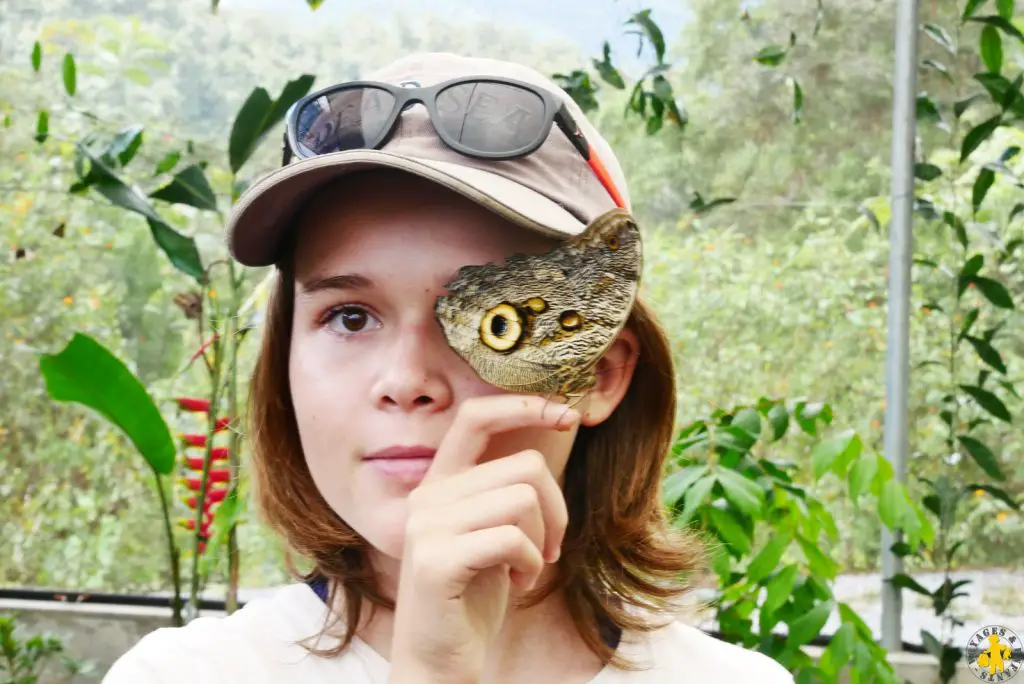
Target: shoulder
{"x": 679, "y": 647}
{"x": 263, "y": 636}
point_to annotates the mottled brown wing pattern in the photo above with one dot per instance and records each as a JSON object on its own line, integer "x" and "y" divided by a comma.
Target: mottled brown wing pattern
{"x": 539, "y": 323}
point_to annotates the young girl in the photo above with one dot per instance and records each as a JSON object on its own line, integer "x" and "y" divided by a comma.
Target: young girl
{"x": 458, "y": 533}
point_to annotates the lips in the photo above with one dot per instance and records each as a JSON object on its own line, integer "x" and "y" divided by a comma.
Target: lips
{"x": 405, "y": 464}
{"x": 398, "y": 453}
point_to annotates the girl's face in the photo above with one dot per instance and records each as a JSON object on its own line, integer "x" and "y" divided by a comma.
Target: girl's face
{"x": 370, "y": 368}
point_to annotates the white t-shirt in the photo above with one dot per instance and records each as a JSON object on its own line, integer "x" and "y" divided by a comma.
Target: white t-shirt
{"x": 257, "y": 645}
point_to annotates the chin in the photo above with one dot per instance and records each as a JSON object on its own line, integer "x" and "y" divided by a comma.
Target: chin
{"x": 380, "y": 522}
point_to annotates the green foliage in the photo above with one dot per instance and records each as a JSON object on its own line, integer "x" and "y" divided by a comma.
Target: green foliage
{"x": 87, "y": 373}
{"x": 770, "y": 536}
{"x": 23, "y": 660}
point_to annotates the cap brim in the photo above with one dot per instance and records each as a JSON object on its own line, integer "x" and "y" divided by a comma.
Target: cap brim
{"x": 266, "y": 209}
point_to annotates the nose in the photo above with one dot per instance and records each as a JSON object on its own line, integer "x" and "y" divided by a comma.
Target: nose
{"x": 413, "y": 375}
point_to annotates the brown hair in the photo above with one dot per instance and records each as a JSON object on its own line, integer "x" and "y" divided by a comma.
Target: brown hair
{"x": 620, "y": 559}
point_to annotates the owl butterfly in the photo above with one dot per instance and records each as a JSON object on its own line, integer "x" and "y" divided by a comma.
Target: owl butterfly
{"x": 540, "y": 323}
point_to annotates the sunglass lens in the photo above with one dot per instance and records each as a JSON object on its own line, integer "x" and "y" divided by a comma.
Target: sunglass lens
{"x": 492, "y": 118}
{"x": 345, "y": 120}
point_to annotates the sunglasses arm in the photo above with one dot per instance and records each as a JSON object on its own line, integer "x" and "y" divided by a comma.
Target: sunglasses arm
{"x": 575, "y": 135}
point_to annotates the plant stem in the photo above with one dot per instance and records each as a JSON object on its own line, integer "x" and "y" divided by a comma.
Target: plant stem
{"x": 172, "y": 552}
{"x": 231, "y": 599}
{"x": 211, "y": 415}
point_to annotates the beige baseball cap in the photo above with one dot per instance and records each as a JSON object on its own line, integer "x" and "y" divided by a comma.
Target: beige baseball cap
{"x": 553, "y": 190}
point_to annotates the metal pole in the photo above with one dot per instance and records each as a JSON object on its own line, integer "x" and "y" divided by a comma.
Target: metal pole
{"x": 900, "y": 253}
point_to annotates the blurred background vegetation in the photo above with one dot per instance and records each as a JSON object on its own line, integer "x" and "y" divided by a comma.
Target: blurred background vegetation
{"x": 780, "y": 292}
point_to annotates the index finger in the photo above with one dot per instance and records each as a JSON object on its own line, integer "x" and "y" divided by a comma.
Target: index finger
{"x": 481, "y": 417}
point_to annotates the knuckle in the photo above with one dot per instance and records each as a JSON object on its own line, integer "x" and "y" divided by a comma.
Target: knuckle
{"x": 524, "y": 496}
{"x": 534, "y": 464}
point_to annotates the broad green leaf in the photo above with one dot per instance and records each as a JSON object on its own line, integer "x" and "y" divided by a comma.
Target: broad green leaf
{"x": 695, "y": 497}
{"x": 969, "y": 9}
{"x": 779, "y": 418}
{"x": 258, "y": 115}
{"x": 981, "y": 185}
{"x": 862, "y": 474}
{"x": 70, "y": 74}
{"x": 732, "y": 532}
{"x": 983, "y": 456}
{"x": 997, "y": 492}
{"x": 1005, "y": 8}
{"x": 808, "y": 625}
{"x": 957, "y": 224}
{"x": 37, "y": 56}
{"x": 969, "y": 320}
{"x": 767, "y": 559}
{"x": 675, "y": 485}
{"x": 188, "y": 187}
{"x": 961, "y": 106}
{"x": 835, "y": 453}
{"x": 939, "y": 67}
{"x": 841, "y": 645}
{"x": 1001, "y": 24}
{"x": 798, "y": 101}
{"x": 972, "y": 266}
{"x": 890, "y": 504}
{"x": 927, "y": 172}
{"x": 42, "y": 126}
{"x": 779, "y": 588}
{"x": 771, "y": 55}
{"x": 181, "y": 250}
{"x": 87, "y": 373}
{"x": 901, "y": 549}
{"x": 749, "y": 420}
{"x": 125, "y": 144}
{"x": 741, "y": 492}
{"x": 652, "y": 31}
{"x": 978, "y": 135}
{"x": 940, "y": 36}
{"x": 607, "y": 71}
{"x": 994, "y": 291}
{"x": 820, "y": 565}
{"x": 987, "y": 353}
{"x": 169, "y": 161}
{"x": 1002, "y": 92}
{"x": 927, "y": 110}
{"x": 905, "y": 581}
{"x": 992, "y": 49}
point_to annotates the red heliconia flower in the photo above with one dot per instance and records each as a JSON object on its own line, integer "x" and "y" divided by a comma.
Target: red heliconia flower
{"x": 222, "y": 424}
{"x": 190, "y": 525}
{"x": 213, "y": 496}
{"x": 217, "y": 475}
{"x": 196, "y": 462}
{"x": 193, "y": 404}
{"x": 194, "y": 440}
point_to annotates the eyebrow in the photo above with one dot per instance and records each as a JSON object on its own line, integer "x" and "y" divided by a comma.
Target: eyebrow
{"x": 343, "y": 281}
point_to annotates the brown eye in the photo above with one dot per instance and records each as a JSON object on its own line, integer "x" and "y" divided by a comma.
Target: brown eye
{"x": 570, "y": 320}
{"x": 612, "y": 241}
{"x": 348, "y": 319}
{"x": 501, "y": 328}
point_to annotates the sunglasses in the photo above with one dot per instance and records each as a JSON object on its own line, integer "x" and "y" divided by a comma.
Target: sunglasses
{"x": 482, "y": 117}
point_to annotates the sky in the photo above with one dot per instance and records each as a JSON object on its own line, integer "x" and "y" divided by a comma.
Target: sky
{"x": 586, "y": 23}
